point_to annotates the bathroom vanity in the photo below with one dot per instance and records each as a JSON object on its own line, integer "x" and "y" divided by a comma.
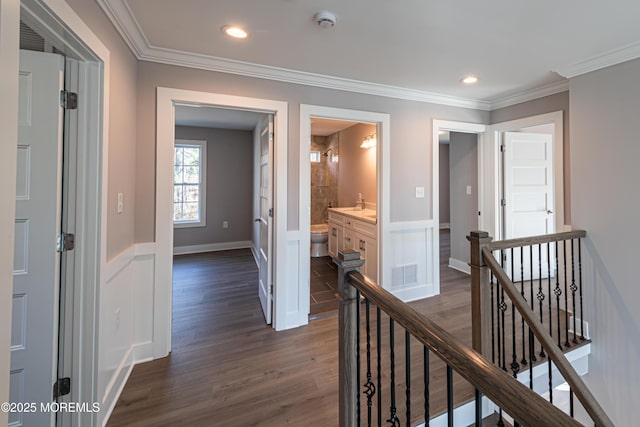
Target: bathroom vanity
{"x": 355, "y": 228}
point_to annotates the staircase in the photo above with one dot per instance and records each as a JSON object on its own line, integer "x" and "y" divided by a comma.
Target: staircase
{"x": 527, "y": 301}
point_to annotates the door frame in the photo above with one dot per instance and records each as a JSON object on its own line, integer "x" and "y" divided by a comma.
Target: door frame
{"x": 494, "y": 222}
{"x": 57, "y": 22}
{"x": 167, "y": 99}
{"x": 463, "y": 127}
{"x": 382, "y": 120}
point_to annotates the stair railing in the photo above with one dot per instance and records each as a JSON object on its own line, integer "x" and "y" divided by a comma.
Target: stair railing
{"x": 538, "y": 321}
{"x": 362, "y": 385}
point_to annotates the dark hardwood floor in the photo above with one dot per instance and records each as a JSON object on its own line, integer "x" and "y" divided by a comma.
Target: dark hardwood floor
{"x": 229, "y": 368}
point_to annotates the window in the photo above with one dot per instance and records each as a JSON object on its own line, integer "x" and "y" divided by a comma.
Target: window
{"x": 189, "y": 183}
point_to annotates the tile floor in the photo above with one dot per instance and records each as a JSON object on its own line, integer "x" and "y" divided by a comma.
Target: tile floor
{"x": 324, "y": 286}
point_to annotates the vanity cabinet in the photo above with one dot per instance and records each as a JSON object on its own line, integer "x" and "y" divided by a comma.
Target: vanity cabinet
{"x": 352, "y": 231}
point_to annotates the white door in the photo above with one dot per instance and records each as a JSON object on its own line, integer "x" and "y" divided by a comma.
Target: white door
{"x": 34, "y": 329}
{"x": 266, "y": 220}
{"x": 528, "y": 196}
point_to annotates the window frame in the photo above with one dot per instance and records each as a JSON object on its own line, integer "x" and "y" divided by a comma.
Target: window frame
{"x": 202, "y": 202}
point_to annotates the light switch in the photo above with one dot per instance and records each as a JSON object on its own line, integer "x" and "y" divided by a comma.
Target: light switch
{"x": 225, "y": 224}
{"x": 419, "y": 192}
{"x": 120, "y": 203}
{"x": 468, "y": 189}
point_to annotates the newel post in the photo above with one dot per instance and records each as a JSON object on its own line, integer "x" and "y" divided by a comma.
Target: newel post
{"x": 480, "y": 294}
{"x": 349, "y": 388}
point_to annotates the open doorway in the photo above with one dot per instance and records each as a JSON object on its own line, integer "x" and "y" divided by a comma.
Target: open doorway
{"x": 458, "y": 194}
{"x": 168, "y": 100}
{"x": 364, "y": 137}
{"x": 343, "y": 204}
{"x": 458, "y": 172}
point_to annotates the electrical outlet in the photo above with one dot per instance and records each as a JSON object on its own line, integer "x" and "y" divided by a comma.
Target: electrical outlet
{"x": 225, "y": 224}
{"x": 419, "y": 192}
{"x": 117, "y": 318}
{"x": 120, "y": 203}
{"x": 468, "y": 189}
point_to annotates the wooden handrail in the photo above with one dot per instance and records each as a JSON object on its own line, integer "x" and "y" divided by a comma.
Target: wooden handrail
{"x": 513, "y": 397}
{"x": 579, "y": 388}
{"x": 535, "y": 240}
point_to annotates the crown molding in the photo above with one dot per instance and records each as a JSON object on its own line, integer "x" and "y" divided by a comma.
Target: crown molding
{"x": 607, "y": 59}
{"x": 530, "y": 94}
{"x": 120, "y": 14}
{"x": 124, "y": 21}
{"x": 229, "y": 66}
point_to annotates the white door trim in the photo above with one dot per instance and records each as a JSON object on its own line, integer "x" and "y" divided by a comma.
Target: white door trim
{"x": 167, "y": 98}
{"x": 56, "y": 21}
{"x": 452, "y": 126}
{"x": 307, "y": 112}
{"x": 493, "y": 152}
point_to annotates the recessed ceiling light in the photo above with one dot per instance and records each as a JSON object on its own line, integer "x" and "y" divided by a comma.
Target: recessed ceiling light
{"x": 234, "y": 31}
{"x": 469, "y": 80}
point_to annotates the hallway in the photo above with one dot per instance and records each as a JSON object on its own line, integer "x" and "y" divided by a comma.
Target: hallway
{"x": 228, "y": 367}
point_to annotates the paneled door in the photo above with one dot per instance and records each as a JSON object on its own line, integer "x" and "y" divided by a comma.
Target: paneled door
{"x": 36, "y": 276}
{"x": 265, "y": 255}
{"x": 528, "y": 197}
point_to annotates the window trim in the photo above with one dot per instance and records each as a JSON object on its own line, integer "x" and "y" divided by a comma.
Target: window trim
{"x": 202, "y": 144}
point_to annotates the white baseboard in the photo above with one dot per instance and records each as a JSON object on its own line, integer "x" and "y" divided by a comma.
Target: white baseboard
{"x": 211, "y": 247}
{"x": 456, "y": 264}
{"x": 444, "y": 225}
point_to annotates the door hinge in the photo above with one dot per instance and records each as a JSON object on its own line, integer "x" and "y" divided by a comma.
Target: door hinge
{"x": 271, "y": 212}
{"x": 503, "y": 148}
{"x": 62, "y": 387}
{"x": 503, "y": 202}
{"x": 270, "y": 289}
{"x": 66, "y": 242}
{"x": 68, "y": 100}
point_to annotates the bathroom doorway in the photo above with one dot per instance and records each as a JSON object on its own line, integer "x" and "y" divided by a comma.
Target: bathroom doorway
{"x": 343, "y": 175}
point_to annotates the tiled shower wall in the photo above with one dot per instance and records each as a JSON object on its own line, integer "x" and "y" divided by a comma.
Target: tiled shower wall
{"x": 324, "y": 176}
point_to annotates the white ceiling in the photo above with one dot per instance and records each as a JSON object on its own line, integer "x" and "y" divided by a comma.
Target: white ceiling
{"x": 412, "y": 49}
{"x": 215, "y": 117}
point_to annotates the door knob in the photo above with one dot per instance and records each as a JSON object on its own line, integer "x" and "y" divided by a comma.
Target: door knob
{"x": 549, "y": 212}
{"x": 256, "y": 220}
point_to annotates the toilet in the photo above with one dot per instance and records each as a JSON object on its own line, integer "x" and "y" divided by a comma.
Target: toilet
{"x": 319, "y": 239}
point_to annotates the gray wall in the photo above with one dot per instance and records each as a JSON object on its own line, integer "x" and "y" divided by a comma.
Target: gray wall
{"x": 547, "y": 104}
{"x": 121, "y": 173}
{"x": 229, "y": 186}
{"x": 411, "y": 150}
{"x": 463, "y": 166}
{"x": 357, "y": 171}
{"x": 605, "y": 106}
{"x": 445, "y": 203}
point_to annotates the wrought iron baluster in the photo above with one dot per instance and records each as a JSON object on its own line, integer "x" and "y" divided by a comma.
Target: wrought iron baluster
{"x": 566, "y": 296}
{"x": 550, "y": 373}
{"x": 493, "y": 324}
{"x": 523, "y": 362}
{"x": 478, "y": 408}
{"x": 515, "y": 366}
{"x": 503, "y": 309}
{"x": 379, "y": 364}
{"x": 557, "y": 291}
{"x": 580, "y": 287}
{"x": 369, "y": 387}
{"x": 358, "y": 379}
{"x": 449, "y": 396}
{"x": 574, "y": 288}
{"x": 532, "y": 351}
{"x": 393, "y": 417}
{"x": 407, "y": 356}
{"x": 540, "y": 294}
{"x": 571, "y": 402}
{"x": 425, "y": 357}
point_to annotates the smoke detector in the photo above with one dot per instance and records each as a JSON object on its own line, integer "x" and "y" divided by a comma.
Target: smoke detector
{"x": 325, "y": 19}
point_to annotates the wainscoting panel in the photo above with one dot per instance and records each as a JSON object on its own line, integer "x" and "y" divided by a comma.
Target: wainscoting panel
{"x": 411, "y": 271}
{"x": 296, "y": 289}
{"x": 126, "y": 321}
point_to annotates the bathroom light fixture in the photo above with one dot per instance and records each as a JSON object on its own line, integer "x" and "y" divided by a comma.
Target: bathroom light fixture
{"x": 469, "y": 80}
{"x": 234, "y": 31}
{"x": 369, "y": 141}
